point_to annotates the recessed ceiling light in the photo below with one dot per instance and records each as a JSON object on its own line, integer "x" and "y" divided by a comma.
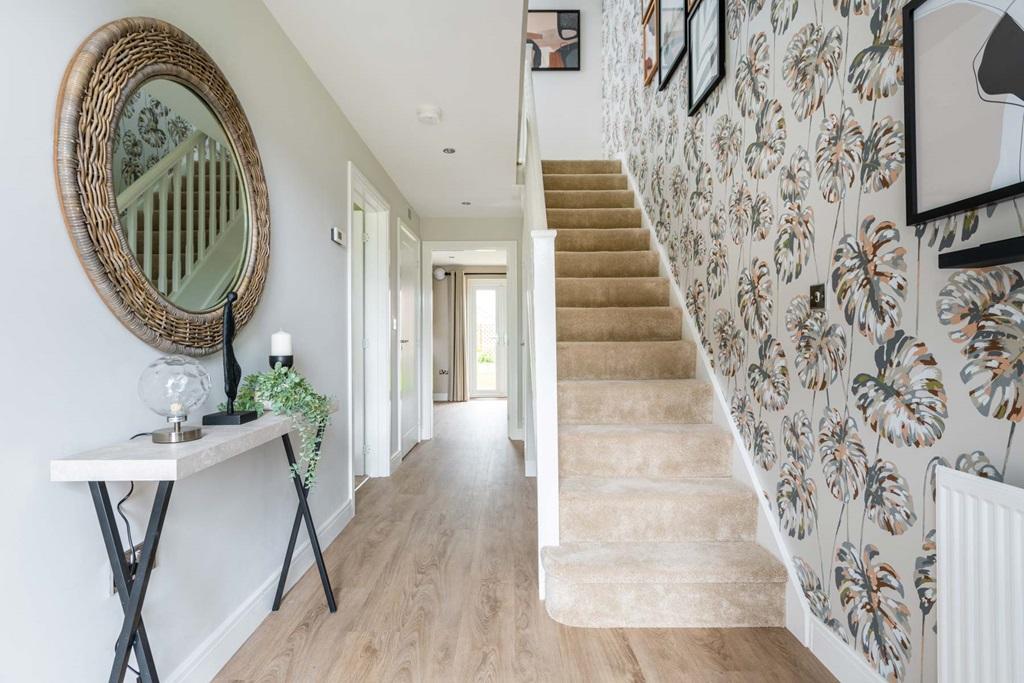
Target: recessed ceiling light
{"x": 466, "y": 203}
{"x": 448, "y": 150}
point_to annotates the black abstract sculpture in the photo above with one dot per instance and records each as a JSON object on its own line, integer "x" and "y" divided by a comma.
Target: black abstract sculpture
{"x": 232, "y": 374}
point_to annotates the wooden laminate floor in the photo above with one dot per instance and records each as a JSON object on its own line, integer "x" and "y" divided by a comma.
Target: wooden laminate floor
{"x": 436, "y": 580}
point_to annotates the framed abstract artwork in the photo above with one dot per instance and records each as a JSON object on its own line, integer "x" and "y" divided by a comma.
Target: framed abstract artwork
{"x": 554, "y": 36}
{"x": 650, "y": 42}
{"x": 671, "y": 38}
{"x": 705, "y": 32}
{"x": 964, "y": 105}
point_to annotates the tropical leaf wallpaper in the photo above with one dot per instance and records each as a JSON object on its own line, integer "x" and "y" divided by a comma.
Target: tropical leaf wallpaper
{"x": 792, "y": 174}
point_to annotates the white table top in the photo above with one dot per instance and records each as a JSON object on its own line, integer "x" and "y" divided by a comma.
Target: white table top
{"x": 143, "y": 460}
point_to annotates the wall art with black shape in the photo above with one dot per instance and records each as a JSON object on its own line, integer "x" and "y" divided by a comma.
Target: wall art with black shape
{"x": 554, "y": 36}
{"x": 964, "y": 104}
{"x": 705, "y": 41}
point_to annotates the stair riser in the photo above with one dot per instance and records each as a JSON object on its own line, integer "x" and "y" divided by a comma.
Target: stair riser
{"x": 569, "y": 219}
{"x": 608, "y": 264}
{"x": 576, "y": 166}
{"x": 590, "y": 293}
{"x": 606, "y": 517}
{"x": 633, "y": 403}
{"x": 665, "y": 455}
{"x": 606, "y": 239}
{"x": 585, "y": 181}
{"x": 708, "y": 605}
{"x": 617, "y": 324}
{"x": 588, "y": 199}
{"x": 595, "y": 360}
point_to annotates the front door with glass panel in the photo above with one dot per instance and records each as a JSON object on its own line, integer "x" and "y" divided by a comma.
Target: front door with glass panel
{"x": 487, "y": 339}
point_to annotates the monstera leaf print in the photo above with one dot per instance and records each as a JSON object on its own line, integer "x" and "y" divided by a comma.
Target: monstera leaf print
{"x": 769, "y": 377}
{"x": 795, "y": 177}
{"x": 797, "y": 314}
{"x": 969, "y": 296}
{"x": 839, "y": 151}
{"x": 754, "y": 296}
{"x": 700, "y": 198}
{"x": 678, "y": 188}
{"x": 946, "y": 228}
{"x": 735, "y": 13}
{"x": 905, "y": 401}
{"x": 844, "y": 7}
{"x": 929, "y": 473}
{"x": 752, "y": 76}
{"x": 696, "y": 303}
{"x": 843, "y": 458}
{"x": 869, "y": 279}
{"x": 764, "y": 452}
{"x": 719, "y": 222}
{"x": 877, "y": 70}
{"x": 693, "y": 134}
{"x": 671, "y": 134}
{"x": 718, "y": 268}
{"x": 765, "y": 154}
{"x": 816, "y": 596}
{"x": 726, "y": 139}
{"x": 887, "y": 498}
{"x": 729, "y": 343}
{"x": 924, "y": 575}
{"x": 762, "y": 217}
{"x": 883, "y": 155}
{"x": 810, "y": 66}
{"x": 697, "y": 246}
{"x": 754, "y": 8}
{"x": 783, "y": 13}
{"x": 741, "y": 209}
{"x": 798, "y": 438}
{"x": 995, "y": 362}
{"x": 148, "y": 125}
{"x": 872, "y": 594}
{"x": 743, "y": 417}
{"x": 795, "y": 241}
{"x": 978, "y": 464}
{"x": 820, "y": 352}
{"x": 796, "y": 500}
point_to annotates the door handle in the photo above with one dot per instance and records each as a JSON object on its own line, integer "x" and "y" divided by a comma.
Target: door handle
{"x": 404, "y": 341}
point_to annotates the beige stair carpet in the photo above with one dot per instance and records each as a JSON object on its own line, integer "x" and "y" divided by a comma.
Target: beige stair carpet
{"x": 654, "y": 530}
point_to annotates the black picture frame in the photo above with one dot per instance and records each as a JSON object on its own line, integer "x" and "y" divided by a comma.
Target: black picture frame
{"x": 665, "y": 75}
{"x": 915, "y": 216}
{"x": 692, "y": 12}
{"x": 579, "y": 39}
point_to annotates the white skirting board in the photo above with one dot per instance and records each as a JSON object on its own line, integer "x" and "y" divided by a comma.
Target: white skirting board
{"x": 215, "y": 651}
{"x": 844, "y": 663}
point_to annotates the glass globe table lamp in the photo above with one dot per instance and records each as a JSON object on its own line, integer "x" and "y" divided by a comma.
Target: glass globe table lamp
{"x": 172, "y": 386}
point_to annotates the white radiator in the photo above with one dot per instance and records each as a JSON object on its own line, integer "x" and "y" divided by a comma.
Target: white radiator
{"x": 980, "y": 579}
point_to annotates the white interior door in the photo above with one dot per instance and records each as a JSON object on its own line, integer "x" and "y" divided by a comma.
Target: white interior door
{"x": 487, "y": 337}
{"x": 358, "y": 335}
{"x": 408, "y": 338}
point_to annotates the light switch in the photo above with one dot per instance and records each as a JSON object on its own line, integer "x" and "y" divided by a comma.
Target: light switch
{"x": 338, "y": 236}
{"x": 817, "y": 297}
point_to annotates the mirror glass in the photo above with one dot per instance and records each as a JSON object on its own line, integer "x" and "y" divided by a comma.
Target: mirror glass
{"x": 180, "y": 196}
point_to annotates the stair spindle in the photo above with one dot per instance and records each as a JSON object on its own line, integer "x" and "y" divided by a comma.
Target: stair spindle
{"x": 162, "y": 250}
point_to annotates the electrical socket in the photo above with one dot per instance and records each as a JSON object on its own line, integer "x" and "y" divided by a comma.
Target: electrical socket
{"x": 817, "y": 297}
{"x": 111, "y": 586}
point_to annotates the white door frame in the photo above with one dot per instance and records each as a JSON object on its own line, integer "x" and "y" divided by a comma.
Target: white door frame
{"x": 496, "y": 282}
{"x": 414, "y": 335}
{"x": 374, "y": 306}
{"x": 510, "y": 247}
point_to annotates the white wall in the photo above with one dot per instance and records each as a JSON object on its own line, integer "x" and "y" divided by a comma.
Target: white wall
{"x": 71, "y": 368}
{"x": 569, "y": 102}
{"x": 459, "y": 229}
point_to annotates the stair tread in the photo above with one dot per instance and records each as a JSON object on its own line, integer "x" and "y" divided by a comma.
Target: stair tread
{"x": 667, "y": 428}
{"x": 663, "y": 562}
{"x": 646, "y": 487}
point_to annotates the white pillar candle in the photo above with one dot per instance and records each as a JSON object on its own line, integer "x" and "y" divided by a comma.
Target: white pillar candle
{"x": 280, "y": 344}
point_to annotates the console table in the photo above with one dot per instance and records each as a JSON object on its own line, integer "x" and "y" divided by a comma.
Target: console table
{"x": 143, "y": 460}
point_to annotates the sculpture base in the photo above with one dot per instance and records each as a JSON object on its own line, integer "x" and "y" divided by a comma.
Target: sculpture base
{"x": 225, "y": 418}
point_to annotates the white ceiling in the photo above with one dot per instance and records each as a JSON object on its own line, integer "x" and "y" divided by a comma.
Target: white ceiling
{"x": 381, "y": 59}
{"x": 469, "y": 257}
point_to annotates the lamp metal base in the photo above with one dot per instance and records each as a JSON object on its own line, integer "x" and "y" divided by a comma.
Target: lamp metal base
{"x": 177, "y": 435}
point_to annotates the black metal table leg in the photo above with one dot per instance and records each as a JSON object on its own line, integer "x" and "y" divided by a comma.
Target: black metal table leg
{"x": 132, "y": 590}
{"x": 303, "y": 513}
{"x": 122, "y": 579}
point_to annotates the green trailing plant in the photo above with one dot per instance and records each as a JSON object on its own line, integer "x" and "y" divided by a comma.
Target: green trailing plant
{"x": 289, "y": 393}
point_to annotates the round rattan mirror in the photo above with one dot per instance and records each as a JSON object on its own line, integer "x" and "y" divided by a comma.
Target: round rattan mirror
{"x": 161, "y": 184}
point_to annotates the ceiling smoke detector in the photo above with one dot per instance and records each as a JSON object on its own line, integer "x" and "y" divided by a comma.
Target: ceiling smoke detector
{"x": 429, "y": 114}
{"x": 466, "y": 203}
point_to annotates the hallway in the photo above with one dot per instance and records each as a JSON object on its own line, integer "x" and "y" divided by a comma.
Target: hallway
{"x": 436, "y": 580}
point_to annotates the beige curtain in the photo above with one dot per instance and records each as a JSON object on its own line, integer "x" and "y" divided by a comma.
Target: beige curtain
{"x": 458, "y": 383}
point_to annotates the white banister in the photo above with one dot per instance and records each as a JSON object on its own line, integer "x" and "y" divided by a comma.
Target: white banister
{"x": 541, "y": 363}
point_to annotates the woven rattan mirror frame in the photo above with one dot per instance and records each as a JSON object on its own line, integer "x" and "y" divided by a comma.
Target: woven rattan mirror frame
{"x": 115, "y": 60}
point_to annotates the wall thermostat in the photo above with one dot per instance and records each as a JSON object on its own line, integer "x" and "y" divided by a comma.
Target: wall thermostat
{"x": 338, "y": 236}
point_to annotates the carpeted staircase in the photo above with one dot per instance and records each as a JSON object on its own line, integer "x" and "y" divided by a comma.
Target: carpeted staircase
{"x": 654, "y": 531}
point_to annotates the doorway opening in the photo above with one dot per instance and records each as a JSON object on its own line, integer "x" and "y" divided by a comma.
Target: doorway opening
{"x": 370, "y": 342}
{"x": 471, "y": 345}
